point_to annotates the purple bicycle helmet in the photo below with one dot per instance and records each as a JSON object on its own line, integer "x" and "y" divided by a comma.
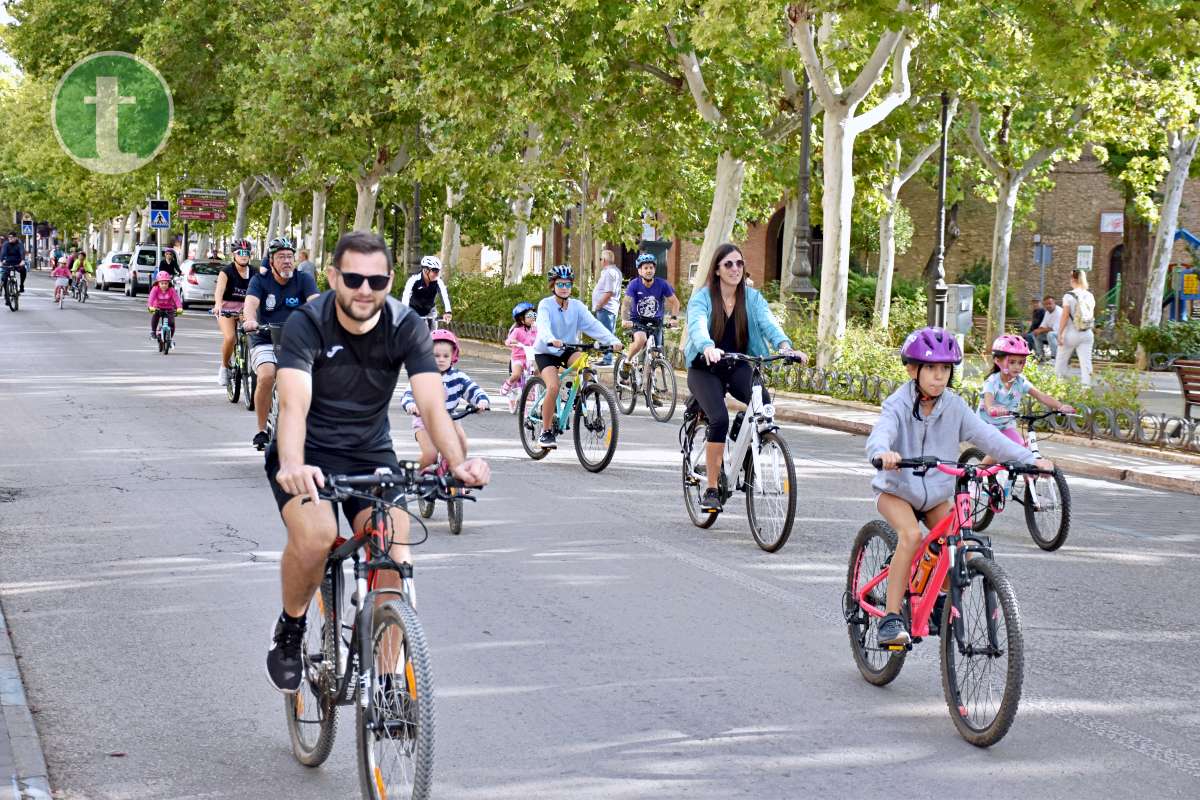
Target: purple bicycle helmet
{"x": 931, "y": 346}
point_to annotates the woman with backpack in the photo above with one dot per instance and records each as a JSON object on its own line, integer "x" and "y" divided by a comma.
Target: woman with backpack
{"x": 1075, "y": 329}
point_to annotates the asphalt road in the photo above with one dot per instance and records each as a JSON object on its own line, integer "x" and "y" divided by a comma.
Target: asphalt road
{"x": 588, "y": 642}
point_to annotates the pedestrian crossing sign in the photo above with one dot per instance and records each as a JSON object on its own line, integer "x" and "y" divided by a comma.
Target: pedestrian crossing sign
{"x": 160, "y": 219}
{"x": 27, "y": 229}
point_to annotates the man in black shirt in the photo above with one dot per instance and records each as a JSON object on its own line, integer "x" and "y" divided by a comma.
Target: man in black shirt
{"x": 338, "y": 367}
{"x": 270, "y": 300}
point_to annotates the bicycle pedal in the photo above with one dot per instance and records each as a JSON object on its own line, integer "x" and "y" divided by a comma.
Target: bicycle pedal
{"x": 897, "y": 648}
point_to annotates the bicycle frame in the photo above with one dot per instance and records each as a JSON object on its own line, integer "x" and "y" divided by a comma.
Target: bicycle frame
{"x": 758, "y": 414}
{"x": 951, "y": 535}
{"x": 574, "y": 373}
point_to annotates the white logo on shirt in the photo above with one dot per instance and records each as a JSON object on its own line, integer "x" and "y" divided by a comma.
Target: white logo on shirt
{"x": 270, "y": 302}
{"x": 333, "y": 351}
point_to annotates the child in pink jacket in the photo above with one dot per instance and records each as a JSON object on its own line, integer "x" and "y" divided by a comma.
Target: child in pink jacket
{"x": 163, "y": 301}
{"x": 62, "y": 277}
{"x": 521, "y": 335}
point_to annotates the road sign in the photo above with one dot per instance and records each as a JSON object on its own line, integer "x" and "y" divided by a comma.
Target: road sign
{"x": 203, "y": 214}
{"x": 221, "y": 193}
{"x": 160, "y": 214}
{"x": 190, "y": 201}
{"x": 1191, "y": 285}
{"x": 1083, "y": 257}
{"x": 27, "y": 229}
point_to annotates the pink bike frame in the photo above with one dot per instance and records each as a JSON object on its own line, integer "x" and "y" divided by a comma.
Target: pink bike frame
{"x": 959, "y": 520}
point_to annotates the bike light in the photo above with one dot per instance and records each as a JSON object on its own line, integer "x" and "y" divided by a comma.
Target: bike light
{"x": 768, "y": 410}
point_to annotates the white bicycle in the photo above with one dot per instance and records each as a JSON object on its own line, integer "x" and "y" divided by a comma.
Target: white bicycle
{"x": 757, "y": 461}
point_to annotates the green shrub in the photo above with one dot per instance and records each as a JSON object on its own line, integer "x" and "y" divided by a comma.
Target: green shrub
{"x": 860, "y": 294}
{"x": 1170, "y": 337}
{"x": 1112, "y": 388}
{"x": 486, "y": 300}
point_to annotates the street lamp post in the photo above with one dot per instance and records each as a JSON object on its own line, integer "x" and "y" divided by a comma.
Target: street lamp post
{"x": 802, "y": 286}
{"x": 936, "y": 309}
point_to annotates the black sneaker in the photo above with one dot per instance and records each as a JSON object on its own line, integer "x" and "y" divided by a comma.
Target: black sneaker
{"x": 892, "y": 631}
{"x": 285, "y": 666}
{"x": 547, "y": 441}
{"x": 260, "y": 440}
{"x": 711, "y": 501}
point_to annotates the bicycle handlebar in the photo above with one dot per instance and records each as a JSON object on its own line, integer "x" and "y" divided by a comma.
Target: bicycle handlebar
{"x": 409, "y": 479}
{"x": 958, "y": 470}
{"x": 465, "y": 411}
{"x": 599, "y": 348}
{"x": 796, "y": 359}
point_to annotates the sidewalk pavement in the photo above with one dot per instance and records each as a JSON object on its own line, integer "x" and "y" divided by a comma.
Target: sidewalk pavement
{"x": 1076, "y": 455}
{"x": 23, "y": 774}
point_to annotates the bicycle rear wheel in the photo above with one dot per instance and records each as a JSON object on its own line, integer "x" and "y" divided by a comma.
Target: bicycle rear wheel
{"x": 233, "y": 388}
{"x": 395, "y": 728}
{"x": 872, "y": 550}
{"x": 12, "y": 297}
{"x": 662, "y": 394}
{"x": 982, "y": 512}
{"x": 1049, "y": 522}
{"x": 771, "y": 495}
{"x": 529, "y": 417}
{"x": 694, "y": 470}
{"x": 425, "y": 506}
{"x": 312, "y": 711}
{"x": 983, "y": 655}
{"x": 596, "y": 427}
{"x": 623, "y": 384}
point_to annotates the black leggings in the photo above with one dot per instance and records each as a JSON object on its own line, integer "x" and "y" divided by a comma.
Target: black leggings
{"x": 158, "y": 315}
{"x": 709, "y": 384}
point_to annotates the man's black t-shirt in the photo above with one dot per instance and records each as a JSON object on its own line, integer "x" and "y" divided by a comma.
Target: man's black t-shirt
{"x": 353, "y": 377}
{"x": 276, "y": 302}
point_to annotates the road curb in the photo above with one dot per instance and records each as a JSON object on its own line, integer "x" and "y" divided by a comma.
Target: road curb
{"x": 30, "y": 778}
{"x": 1070, "y": 465}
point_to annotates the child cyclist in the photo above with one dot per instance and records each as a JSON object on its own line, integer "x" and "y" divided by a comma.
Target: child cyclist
{"x": 521, "y": 335}
{"x": 164, "y": 302}
{"x": 1006, "y": 387}
{"x": 924, "y": 418}
{"x": 458, "y": 385}
{"x": 62, "y": 278}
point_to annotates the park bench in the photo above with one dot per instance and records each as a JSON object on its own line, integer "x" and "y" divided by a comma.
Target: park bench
{"x": 1188, "y": 370}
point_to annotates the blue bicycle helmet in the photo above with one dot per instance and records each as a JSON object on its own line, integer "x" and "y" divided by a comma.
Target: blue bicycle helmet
{"x": 561, "y": 272}
{"x": 519, "y": 310}
{"x": 645, "y": 258}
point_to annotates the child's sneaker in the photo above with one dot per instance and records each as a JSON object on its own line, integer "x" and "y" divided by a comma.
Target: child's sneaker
{"x": 892, "y": 632}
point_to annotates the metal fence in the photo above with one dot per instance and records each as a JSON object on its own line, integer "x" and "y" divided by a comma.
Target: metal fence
{"x": 1120, "y": 425}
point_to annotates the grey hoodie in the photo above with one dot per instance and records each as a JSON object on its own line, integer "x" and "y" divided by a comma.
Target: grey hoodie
{"x": 940, "y": 434}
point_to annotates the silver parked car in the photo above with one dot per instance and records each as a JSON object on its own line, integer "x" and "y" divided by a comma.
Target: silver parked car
{"x": 199, "y": 282}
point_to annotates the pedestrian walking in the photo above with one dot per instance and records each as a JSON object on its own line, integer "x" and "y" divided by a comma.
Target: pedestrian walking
{"x": 305, "y": 265}
{"x": 606, "y": 297}
{"x": 1075, "y": 333}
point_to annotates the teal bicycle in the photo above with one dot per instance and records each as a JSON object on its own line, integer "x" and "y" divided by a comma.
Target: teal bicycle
{"x": 582, "y": 400}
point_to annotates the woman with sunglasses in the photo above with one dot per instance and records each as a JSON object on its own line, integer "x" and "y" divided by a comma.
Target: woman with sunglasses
{"x": 725, "y": 316}
{"x": 232, "y": 282}
{"x": 561, "y": 320}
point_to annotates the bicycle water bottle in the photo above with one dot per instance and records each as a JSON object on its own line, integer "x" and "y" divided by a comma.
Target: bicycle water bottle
{"x": 564, "y": 391}
{"x": 924, "y": 569}
{"x": 737, "y": 425}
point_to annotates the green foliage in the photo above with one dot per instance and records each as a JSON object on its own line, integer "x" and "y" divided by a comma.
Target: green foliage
{"x": 486, "y": 300}
{"x": 1170, "y": 337}
{"x": 860, "y": 294}
{"x": 1111, "y": 387}
{"x": 864, "y": 238}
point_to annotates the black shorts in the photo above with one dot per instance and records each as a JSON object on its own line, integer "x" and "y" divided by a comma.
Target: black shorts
{"x": 335, "y": 464}
{"x": 652, "y": 328}
{"x": 544, "y": 360}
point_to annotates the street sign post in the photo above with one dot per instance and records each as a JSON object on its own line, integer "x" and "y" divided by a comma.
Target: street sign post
{"x": 160, "y": 215}
{"x": 206, "y": 205}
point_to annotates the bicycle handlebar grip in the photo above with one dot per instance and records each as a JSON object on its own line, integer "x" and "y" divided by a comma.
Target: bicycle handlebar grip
{"x": 877, "y": 463}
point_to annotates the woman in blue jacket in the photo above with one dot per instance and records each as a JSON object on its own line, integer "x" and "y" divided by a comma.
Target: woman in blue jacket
{"x": 740, "y": 322}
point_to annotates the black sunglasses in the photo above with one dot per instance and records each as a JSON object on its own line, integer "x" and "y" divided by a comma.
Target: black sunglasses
{"x": 731, "y": 264}
{"x": 353, "y": 280}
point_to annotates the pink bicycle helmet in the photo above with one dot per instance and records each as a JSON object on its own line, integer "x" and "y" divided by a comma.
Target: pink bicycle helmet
{"x": 442, "y": 335}
{"x": 162, "y": 276}
{"x": 931, "y": 346}
{"x": 1010, "y": 345}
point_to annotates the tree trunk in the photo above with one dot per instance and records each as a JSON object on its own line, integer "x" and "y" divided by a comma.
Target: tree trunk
{"x": 203, "y": 244}
{"x": 144, "y": 230}
{"x": 514, "y": 263}
{"x": 887, "y": 263}
{"x": 1135, "y": 263}
{"x": 451, "y": 235}
{"x": 316, "y": 245}
{"x": 836, "y": 207}
{"x": 1181, "y": 153}
{"x": 1006, "y": 209}
{"x": 727, "y": 196}
{"x": 248, "y": 190}
{"x": 364, "y": 209}
{"x": 123, "y": 232}
{"x": 273, "y": 223}
{"x": 285, "y": 219}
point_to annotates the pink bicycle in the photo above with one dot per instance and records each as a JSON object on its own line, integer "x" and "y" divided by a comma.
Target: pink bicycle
{"x": 982, "y": 648}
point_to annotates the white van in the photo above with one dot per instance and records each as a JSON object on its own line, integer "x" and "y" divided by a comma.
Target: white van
{"x": 142, "y": 268}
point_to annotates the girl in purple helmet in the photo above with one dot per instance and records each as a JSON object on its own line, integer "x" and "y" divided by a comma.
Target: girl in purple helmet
{"x": 924, "y": 418}
{"x": 1006, "y": 387}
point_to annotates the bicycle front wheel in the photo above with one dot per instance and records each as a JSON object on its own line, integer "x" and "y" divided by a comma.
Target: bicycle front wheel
{"x": 425, "y": 506}
{"x": 454, "y": 515}
{"x": 395, "y": 726}
{"x": 983, "y": 655}
{"x": 596, "y": 427}
{"x": 312, "y": 711}
{"x": 1049, "y": 517}
{"x": 233, "y": 388}
{"x": 982, "y": 512}
{"x": 872, "y": 550}
{"x": 623, "y": 384}
{"x": 529, "y": 418}
{"x": 771, "y": 492}
{"x": 662, "y": 393}
{"x": 249, "y": 384}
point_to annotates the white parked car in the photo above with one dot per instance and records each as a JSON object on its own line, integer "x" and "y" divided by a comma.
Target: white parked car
{"x": 199, "y": 280}
{"x": 114, "y": 269}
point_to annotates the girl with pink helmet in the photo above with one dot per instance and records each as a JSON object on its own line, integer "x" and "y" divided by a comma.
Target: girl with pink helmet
{"x": 459, "y": 388}
{"x": 1005, "y": 388}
